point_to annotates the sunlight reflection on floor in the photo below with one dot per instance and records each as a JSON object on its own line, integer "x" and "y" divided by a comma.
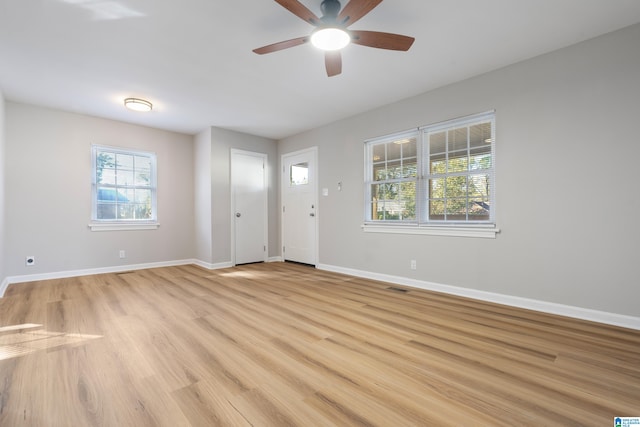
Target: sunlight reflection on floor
{"x": 20, "y": 340}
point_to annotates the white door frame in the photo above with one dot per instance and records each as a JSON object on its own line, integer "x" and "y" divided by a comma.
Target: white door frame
{"x": 314, "y": 189}
{"x": 264, "y": 157}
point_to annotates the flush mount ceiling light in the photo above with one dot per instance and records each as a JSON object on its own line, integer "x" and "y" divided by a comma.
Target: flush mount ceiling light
{"x": 330, "y": 38}
{"x": 137, "y": 104}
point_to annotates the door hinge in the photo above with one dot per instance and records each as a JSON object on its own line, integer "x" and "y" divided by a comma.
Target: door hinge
{"x": 283, "y": 249}
{"x": 283, "y": 209}
{"x": 264, "y": 248}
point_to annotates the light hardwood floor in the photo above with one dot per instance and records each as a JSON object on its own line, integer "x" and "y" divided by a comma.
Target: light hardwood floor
{"x": 281, "y": 344}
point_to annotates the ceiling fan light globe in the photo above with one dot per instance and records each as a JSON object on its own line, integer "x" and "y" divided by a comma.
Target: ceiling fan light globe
{"x": 330, "y": 38}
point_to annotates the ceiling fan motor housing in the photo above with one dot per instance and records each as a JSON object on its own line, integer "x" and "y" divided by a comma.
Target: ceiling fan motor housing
{"x": 330, "y": 9}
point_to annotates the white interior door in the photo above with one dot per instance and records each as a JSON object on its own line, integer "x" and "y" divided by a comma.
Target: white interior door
{"x": 249, "y": 206}
{"x": 299, "y": 206}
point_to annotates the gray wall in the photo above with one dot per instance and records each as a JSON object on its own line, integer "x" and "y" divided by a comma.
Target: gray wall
{"x": 2, "y": 188}
{"x": 203, "y": 197}
{"x": 567, "y": 158}
{"x": 48, "y": 195}
{"x": 222, "y": 141}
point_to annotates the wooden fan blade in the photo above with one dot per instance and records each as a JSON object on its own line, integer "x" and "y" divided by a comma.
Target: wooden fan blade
{"x": 355, "y": 10}
{"x": 333, "y": 62}
{"x": 300, "y": 10}
{"x": 382, "y": 40}
{"x": 281, "y": 45}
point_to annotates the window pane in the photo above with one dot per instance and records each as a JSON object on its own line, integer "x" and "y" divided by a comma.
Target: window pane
{"x": 124, "y": 161}
{"x": 407, "y": 200}
{"x": 143, "y": 163}
{"x": 379, "y": 172}
{"x": 125, "y": 211}
{"x": 106, "y": 176}
{"x": 142, "y": 211}
{"x": 379, "y": 191}
{"x": 143, "y": 196}
{"x": 480, "y": 135}
{"x": 299, "y": 174}
{"x": 394, "y": 151}
{"x": 457, "y": 150}
{"x": 436, "y": 187}
{"x": 438, "y": 143}
{"x": 142, "y": 171}
{"x": 105, "y": 162}
{"x": 479, "y": 186}
{"x": 458, "y": 164}
{"x": 106, "y": 211}
{"x": 436, "y": 210}
{"x": 394, "y": 170}
{"x": 124, "y": 177}
{"x": 110, "y": 194}
{"x": 409, "y": 147}
{"x": 143, "y": 178}
{"x": 393, "y": 201}
{"x": 480, "y": 159}
{"x": 379, "y": 153}
{"x": 127, "y": 194}
{"x": 410, "y": 168}
{"x": 479, "y": 210}
{"x": 456, "y": 186}
{"x": 457, "y": 144}
{"x": 438, "y": 166}
{"x": 456, "y": 209}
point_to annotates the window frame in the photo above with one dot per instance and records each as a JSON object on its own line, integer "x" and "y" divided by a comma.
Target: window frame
{"x": 96, "y": 224}
{"x": 484, "y": 228}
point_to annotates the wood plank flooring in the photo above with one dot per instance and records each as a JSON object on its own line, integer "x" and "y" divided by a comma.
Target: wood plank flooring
{"x": 287, "y": 345}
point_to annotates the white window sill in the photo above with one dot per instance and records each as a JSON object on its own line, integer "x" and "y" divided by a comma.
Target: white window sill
{"x": 475, "y": 231}
{"x": 123, "y": 226}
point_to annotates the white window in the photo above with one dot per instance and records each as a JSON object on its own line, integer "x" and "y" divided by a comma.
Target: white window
{"x": 123, "y": 189}
{"x": 436, "y": 176}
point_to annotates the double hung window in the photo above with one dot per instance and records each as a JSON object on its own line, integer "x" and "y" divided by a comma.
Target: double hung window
{"x": 123, "y": 186}
{"x": 437, "y": 175}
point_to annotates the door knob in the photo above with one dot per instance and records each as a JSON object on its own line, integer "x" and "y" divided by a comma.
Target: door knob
{"x": 238, "y": 214}
{"x": 312, "y": 214}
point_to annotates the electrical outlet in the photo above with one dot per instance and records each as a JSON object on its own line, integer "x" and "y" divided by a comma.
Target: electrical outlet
{"x": 30, "y": 260}
{"x": 122, "y": 253}
{"x": 413, "y": 264}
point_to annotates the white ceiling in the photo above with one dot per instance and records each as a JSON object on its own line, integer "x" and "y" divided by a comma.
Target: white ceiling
{"x": 193, "y": 59}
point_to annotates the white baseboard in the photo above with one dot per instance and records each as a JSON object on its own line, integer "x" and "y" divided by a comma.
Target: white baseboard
{"x": 210, "y": 266}
{"x": 3, "y": 287}
{"x": 103, "y": 270}
{"x": 86, "y": 272}
{"x": 530, "y": 304}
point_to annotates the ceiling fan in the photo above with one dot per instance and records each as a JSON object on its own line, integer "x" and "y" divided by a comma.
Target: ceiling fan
{"x": 331, "y": 33}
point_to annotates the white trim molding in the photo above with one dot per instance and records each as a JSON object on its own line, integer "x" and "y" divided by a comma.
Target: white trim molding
{"x": 604, "y": 317}
{"x": 123, "y": 226}
{"x": 3, "y": 287}
{"x": 488, "y": 232}
{"x": 209, "y": 266}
